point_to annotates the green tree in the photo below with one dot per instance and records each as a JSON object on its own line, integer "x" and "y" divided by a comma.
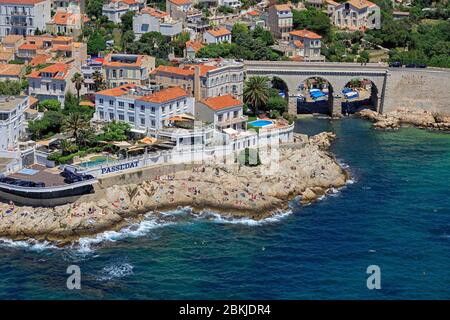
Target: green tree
{"x": 78, "y": 81}
{"x": 96, "y": 43}
{"x": 313, "y": 20}
{"x": 256, "y": 92}
{"x": 49, "y": 105}
{"x": 94, "y": 8}
{"x": 127, "y": 21}
{"x": 67, "y": 147}
{"x": 99, "y": 81}
{"x": 115, "y": 131}
{"x": 74, "y": 123}
{"x": 277, "y": 103}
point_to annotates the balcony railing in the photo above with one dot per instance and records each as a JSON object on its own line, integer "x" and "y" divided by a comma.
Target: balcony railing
{"x": 19, "y": 13}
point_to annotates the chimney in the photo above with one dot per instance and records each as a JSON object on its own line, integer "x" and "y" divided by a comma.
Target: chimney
{"x": 197, "y": 88}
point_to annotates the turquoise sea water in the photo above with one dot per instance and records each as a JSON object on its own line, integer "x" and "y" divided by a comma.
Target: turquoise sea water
{"x": 395, "y": 215}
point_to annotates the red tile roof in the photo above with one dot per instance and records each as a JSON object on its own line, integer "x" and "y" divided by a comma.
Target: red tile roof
{"x": 118, "y": 91}
{"x": 164, "y": 95}
{"x": 221, "y": 102}
{"x": 360, "y": 4}
{"x": 154, "y": 12}
{"x": 305, "y": 34}
{"x": 180, "y": 2}
{"x": 187, "y": 70}
{"x": 39, "y": 59}
{"x": 219, "y": 32}
{"x": 194, "y": 45}
{"x": 28, "y": 46}
{"x": 59, "y": 71}
{"x": 282, "y": 7}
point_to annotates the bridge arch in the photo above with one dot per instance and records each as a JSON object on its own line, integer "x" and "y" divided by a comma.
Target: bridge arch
{"x": 360, "y": 92}
{"x": 314, "y": 94}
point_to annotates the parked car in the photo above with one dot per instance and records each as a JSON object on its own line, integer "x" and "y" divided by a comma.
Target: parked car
{"x": 411, "y": 65}
{"x": 395, "y": 64}
{"x": 421, "y": 65}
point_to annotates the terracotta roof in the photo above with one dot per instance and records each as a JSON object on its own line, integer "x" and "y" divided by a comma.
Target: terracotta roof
{"x": 118, "y": 91}
{"x": 221, "y": 102}
{"x": 59, "y": 71}
{"x": 12, "y": 39}
{"x": 204, "y": 68}
{"x": 282, "y": 7}
{"x": 62, "y": 47}
{"x": 305, "y": 34}
{"x": 39, "y": 59}
{"x": 218, "y": 32}
{"x": 253, "y": 13}
{"x": 28, "y": 46}
{"x": 180, "y": 2}
{"x": 6, "y": 56}
{"x": 164, "y": 95}
{"x": 175, "y": 70}
{"x": 129, "y": 2}
{"x": 194, "y": 45}
{"x": 61, "y": 17}
{"x": 360, "y": 4}
{"x": 11, "y": 69}
{"x": 154, "y": 12}
{"x": 334, "y": 3}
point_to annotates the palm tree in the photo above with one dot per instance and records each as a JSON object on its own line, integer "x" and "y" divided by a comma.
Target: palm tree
{"x": 99, "y": 82}
{"x": 78, "y": 80}
{"x": 256, "y": 91}
{"x": 67, "y": 147}
{"x": 75, "y": 123}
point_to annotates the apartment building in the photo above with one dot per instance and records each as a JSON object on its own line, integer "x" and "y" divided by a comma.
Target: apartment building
{"x": 120, "y": 69}
{"x": 68, "y": 21}
{"x": 225, "y": 112}
{"x": 192, "y": 47}
{"x": 217, "y": 35}
{"x": 23, "y": 17}
{"x": 209, "y": 79}
{"x": 52, "y": 49}
{"x": 279, "y": 20}
{"x": 12, "y": 121}
{"x": 115, "y": 9}
{"x": 52, "y": 82}
{"x": 154, "y": 20}
{"x": 309, "y": 42}
{"x": 354, "y": 14}
{"x": 145, "y": 112}
{"x": 175, "y": 7}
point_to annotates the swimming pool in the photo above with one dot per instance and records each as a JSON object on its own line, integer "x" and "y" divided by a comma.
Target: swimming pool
{"x": 261, "y": 123}
{"x": 95, "y": 161}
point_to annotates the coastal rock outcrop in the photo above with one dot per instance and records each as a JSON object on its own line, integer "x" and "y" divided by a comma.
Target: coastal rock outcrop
{"x": 235, "y": 190}
{"x": 403, "y": 116}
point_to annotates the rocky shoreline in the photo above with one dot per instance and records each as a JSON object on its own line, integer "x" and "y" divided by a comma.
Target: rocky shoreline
{"x": 415, "y": 117}
{"x": 304, "y": 168}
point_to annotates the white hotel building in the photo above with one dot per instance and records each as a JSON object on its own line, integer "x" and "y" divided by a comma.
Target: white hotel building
{"x": 146, "y": 112}
{"x": 11, "y": 121}
{"x": 23, "y": 17}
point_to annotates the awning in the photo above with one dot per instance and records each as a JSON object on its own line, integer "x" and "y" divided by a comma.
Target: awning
{"x": 230, "y": 131}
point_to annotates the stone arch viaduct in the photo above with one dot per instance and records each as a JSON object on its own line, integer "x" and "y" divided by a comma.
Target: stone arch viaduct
{"x": 395, "y": 87}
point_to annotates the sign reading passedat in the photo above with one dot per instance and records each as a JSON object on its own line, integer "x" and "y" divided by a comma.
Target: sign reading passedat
{"x": 120, "y": 167}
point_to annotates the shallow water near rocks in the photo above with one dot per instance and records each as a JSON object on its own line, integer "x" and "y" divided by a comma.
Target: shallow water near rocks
{"x": 395, "y": 215}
